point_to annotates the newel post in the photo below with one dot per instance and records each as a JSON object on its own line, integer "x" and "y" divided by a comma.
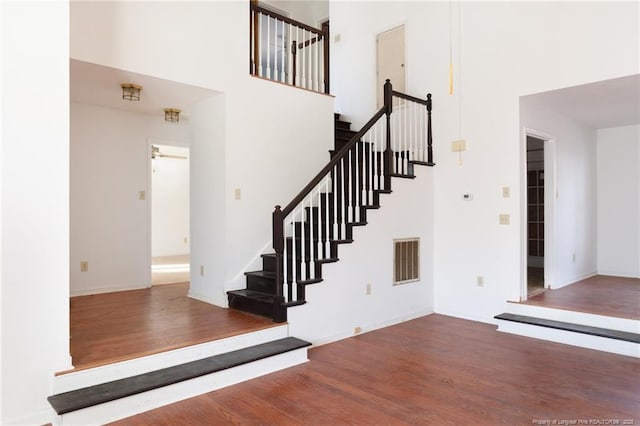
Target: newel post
{"x": 388, "y": 105}
{"x": 429, "y": 135}
{"x": 279, "y": 311}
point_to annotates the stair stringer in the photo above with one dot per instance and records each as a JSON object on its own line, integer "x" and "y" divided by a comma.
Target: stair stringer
{"x": 337, "y": 306}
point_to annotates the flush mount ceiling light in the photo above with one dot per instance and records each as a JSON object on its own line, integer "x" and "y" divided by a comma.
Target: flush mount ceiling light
{"x": 131, "y": 92}
{"x": 171, "y": 115}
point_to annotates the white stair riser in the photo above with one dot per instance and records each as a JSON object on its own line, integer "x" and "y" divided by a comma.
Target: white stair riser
{"x": 611, "y": 323}
{"x": 135, "y": 404}
{"x": 120, "y": 370}
{"x": 571, "y": 338}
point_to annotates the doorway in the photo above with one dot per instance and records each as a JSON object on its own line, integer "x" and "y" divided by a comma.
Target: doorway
{"x": 170, "y": 253}
{"x": 535, "y": 215}
{"x": 390, "y": 62}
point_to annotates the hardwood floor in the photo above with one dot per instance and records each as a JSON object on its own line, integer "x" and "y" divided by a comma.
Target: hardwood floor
{"x": 435, "y": 370}
{"x": 601, "y": 295}
{"x": 111, "y": 327}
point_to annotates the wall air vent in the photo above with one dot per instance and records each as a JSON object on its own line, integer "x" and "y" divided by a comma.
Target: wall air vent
{"x": 406, "y": 260}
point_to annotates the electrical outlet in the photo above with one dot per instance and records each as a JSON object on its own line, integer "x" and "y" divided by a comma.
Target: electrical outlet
{"x": 504, "y": 219}
{"x": 142, "y": 195}
{"x": 368, "y": 289}
{"x": 480, "y": 281}
{"x": 84, "y": 266}
{"x": 237, "y": 194}
{"x": 185, "y": 240}
{"x": 357, "y": 330}
{"x": 506, "y": 192}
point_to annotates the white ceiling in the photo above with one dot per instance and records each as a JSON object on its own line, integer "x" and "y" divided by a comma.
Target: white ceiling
{"x": 609, "y": 103}
{"x": 99, "y": 85}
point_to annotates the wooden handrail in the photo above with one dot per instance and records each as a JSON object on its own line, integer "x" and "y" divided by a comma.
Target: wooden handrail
{"x": 285, "y": 19}
{"x": 335, "y": 160}
{"x": 410, "y": 98}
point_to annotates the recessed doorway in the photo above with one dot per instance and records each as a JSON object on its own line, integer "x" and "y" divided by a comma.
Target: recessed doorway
{"x": 170, "y": 254}
{"x": 535, "y": 215}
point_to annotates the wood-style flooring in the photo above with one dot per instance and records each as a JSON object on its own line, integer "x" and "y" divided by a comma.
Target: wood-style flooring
{"x": 434, "y": 370}
{"x": 601, "y": 295}
{"x": 112, "y": 327}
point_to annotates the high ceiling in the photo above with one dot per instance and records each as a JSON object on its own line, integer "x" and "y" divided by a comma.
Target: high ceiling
{"x": 609, "y": 103}
{"x": 99, "y": 85}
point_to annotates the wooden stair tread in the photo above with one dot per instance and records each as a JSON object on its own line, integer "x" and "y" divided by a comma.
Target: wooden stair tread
{"x": 253, "y": 294}
{"x": 93, "y": 395}
{"x": 263, "y": 274}
{"x": 567, "y": 326}
{"x": 400, "y": 175}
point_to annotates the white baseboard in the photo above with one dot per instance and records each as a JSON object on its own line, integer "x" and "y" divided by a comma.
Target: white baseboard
{"x": 221, "y": 303}
{"x": 110, "y": 289}
{"x": 575, "y": 280}
{"x": 369, "y": 327}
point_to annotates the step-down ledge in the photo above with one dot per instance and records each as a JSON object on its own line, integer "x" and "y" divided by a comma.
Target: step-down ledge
{"x": 601, "y": 339}
{"x": 94, "y": 405}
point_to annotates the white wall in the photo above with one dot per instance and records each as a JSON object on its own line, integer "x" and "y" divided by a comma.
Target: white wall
{"x": 618, "y": 151}
{"x": 35, "y": 207}
{"x": 170, "y": 202}
{"x": 208, "y": 195}
{"x": 507, "y": 49}
{"x": 276, "y": 137}
{"x": 110, "y": 225}
{"x": 339, "y": 304}
{"x": 574, "y": 173}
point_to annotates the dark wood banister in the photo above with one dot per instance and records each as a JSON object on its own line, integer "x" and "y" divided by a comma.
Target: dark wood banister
{"x": 284, "y": 18}
{"x": 411, "y": 98}
{"x": 279, "y": 214}
{"x": 335, "y": 160}
{"x": 321, "y": 35}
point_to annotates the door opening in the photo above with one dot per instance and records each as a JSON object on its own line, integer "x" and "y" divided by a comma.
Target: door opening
{"x": 390, "y": 63}
{"x": 535, "y": 215}
{"x": 170, "y": 254}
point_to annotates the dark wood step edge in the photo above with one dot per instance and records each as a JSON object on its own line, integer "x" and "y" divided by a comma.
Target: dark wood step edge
{"x": 567, "y": 326}
{"x": 105, "y": 392}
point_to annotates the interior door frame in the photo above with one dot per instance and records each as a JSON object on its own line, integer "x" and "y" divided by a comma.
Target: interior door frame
{"x": 393, "y": 27}
{"x": 550, "y": 196}
{"x": 151, "y": 141}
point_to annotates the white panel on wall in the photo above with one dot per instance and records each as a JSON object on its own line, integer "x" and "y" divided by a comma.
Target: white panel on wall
{"x": 619, "y": 201}
{"x": 170, "y": 201}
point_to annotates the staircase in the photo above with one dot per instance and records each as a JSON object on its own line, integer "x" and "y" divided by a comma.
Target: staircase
{"x": 308, "y": 232}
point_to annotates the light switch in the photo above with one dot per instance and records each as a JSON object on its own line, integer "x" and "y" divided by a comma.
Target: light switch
{"x": 504, "y": 219}
{"x": 142, "y": 195}
{"x": 84, "y": 266}
{"x": 458, "y": 146}
{"x": 237, "y": 194}
{"x": 506, "y": 192}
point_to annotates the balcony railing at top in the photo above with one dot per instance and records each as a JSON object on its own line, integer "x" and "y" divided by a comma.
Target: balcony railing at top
{"x": 288, "y": 51}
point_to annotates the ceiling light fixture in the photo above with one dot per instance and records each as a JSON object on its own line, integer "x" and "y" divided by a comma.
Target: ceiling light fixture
{"x": 171, "y": 115}
{"x": 131, "y": 92}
